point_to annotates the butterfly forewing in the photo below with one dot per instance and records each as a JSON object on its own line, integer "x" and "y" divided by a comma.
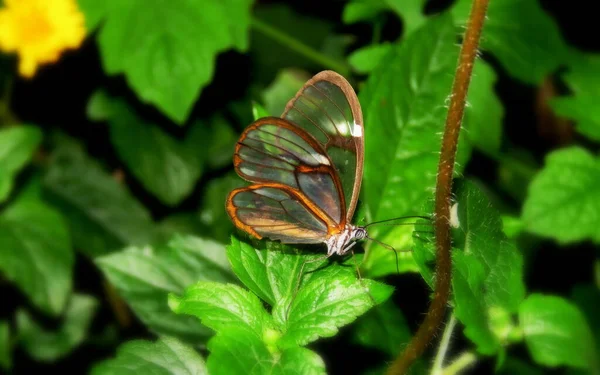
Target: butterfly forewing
{"x": 328, "y": 109}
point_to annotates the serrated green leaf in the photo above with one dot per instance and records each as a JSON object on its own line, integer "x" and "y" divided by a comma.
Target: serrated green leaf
{"x": 328, "y": 302}
{"x": 272, "y": 273}
{"x": 47, "y": 346}
{"x": 403, "y": 100}
{"x": 17, "y": 145}
{"x": 556, "y": 333}
{"x": 525, "y": 39}
{"x": 145, "y": 276}
{"x": 383, "y": 328}
{"x": 167, "y": 356}
{"x": 166, "y": 166}
{"x": 283, "y": 89}
{"x": 235, "y": 352}
{"x": 582, "y": 78}
{"x": 564, "y": 198}
{"x": 102, "y": 214}
{"x": 164, "y": 68}
{"x": 484, "y": 113}
{"x": 366, "y": 59}
{"x": 5, "y": 346}
{"x": 36, "y": 253}
{"x": 221, "y": 306}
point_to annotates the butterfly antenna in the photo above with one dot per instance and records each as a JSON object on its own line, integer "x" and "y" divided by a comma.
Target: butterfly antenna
{"x": 399, "y": 218}
{"x": 389, "y": 247}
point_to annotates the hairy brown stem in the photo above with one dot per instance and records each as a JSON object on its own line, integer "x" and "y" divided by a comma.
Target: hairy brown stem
{"x": 437, "y": 308}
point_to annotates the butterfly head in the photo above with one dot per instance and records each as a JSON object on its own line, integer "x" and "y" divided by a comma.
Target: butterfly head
{"x": 341, "y": 243}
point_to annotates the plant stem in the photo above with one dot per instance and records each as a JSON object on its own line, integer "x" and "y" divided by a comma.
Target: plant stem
{"x": 299, "y": 47}
{"x": 462, "y": 78}
{"x": 461, "y": 363}
{"x": 438, "y": 363}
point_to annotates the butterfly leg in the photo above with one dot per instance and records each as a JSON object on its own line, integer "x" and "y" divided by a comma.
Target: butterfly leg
{"x": 360, "y": 279}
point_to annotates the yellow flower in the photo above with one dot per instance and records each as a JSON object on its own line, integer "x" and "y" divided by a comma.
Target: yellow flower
{"x": 39, "y": 30}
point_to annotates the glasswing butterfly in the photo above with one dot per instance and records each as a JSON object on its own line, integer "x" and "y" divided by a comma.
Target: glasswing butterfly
{"x": 306, "y": 168}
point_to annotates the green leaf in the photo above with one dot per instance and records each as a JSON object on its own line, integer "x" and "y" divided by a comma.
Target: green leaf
{"x": 102, "y": 214}
{"x": 270, "y": 273}
{"x": 484, "y": 114}
{"x": 235, "y": 352}
{"x": 583, "y": 80}
{"x": 383, "y": 328}
{"x": 564, "y": 198}
{"x": 164, "y": 357}
{"x": 46, "y": 346}
{"x": 221, "y": 306}
{"x": 258, "y": 111}
{"x": 525, "y": 39}
{"x": 145, "y": 276}
{"x": 587, "y": 298}
{"x": 380, "y": 261}
{"x": 556, "y": 333}
{"x": 404, "y": 100}
{"x": 515, "y": 366}
{"x": 165, "y": 68}
{"x": 410, "y": 11}
{"x": 36, "y": 253}
{"x": 220, "y": 142}
{"x": 487, "y": 270}
{"x": 283, "y": 89}
{"x": 366, "y": 59}
{"x": 328, "y": 302}
{"x": 5, "y": 346}
{"x": 17, "y": 145}
{"x": 212, "y": 213}
{"x": 166, "y": 166}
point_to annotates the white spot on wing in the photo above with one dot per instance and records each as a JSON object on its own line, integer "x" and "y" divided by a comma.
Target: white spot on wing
{"x": 322, "y": 159}
{"x": 357, "y": 130}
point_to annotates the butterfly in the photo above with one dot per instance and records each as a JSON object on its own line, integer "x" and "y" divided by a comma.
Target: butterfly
{"x": 305, "y": 167}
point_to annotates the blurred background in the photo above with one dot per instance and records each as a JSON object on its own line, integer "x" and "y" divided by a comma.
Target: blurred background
{"x": 117, "y": 126}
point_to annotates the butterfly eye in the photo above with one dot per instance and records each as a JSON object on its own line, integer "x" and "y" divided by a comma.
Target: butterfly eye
{"x": 360, "y": 233}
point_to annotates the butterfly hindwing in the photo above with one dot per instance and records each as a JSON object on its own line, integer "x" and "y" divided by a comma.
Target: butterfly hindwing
{"x": 328, "y": 109}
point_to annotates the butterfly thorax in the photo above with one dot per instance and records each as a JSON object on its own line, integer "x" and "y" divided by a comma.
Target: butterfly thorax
{"x": 340, "y": 243}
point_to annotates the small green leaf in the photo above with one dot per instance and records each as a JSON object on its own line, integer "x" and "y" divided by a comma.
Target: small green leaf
{"x": 167, "y": 356}
{"x": 328, "y": 302}
{"x": 220, "y": 306}
{"x": 17, "y": 145}
{"x": 366, "y": 59}
{"x": 102, "y": 214}
{"x": 233, "y": 351}
{"x": 164, "y": 68}
{"x": 283, "y": 89}
{"x": 47, "y": 346}
{"x": 362, "y": 10}
{"x": 36, "y": 253}
{"x": 564, "y": 198}
{"x": 166, "y": 166}
{"x": 525, "y": 39}
{"x": 258, "y": 111}
{"x": 383, "y": 328}
{"x": 582, "y": 78}
{"x": 410, "y": 11}
{"x": 556, "y": 333}
{"x": 145, "y": 276}
{"x": 5, "y": 346}
{"x": 484, "y": 114}
{"x": 212, "y": 213}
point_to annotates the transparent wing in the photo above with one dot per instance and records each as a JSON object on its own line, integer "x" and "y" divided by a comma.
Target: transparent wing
{"x": 328, "y": 109}
{"x": 272, "y": 150}
{"x": 278, "y": 213}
